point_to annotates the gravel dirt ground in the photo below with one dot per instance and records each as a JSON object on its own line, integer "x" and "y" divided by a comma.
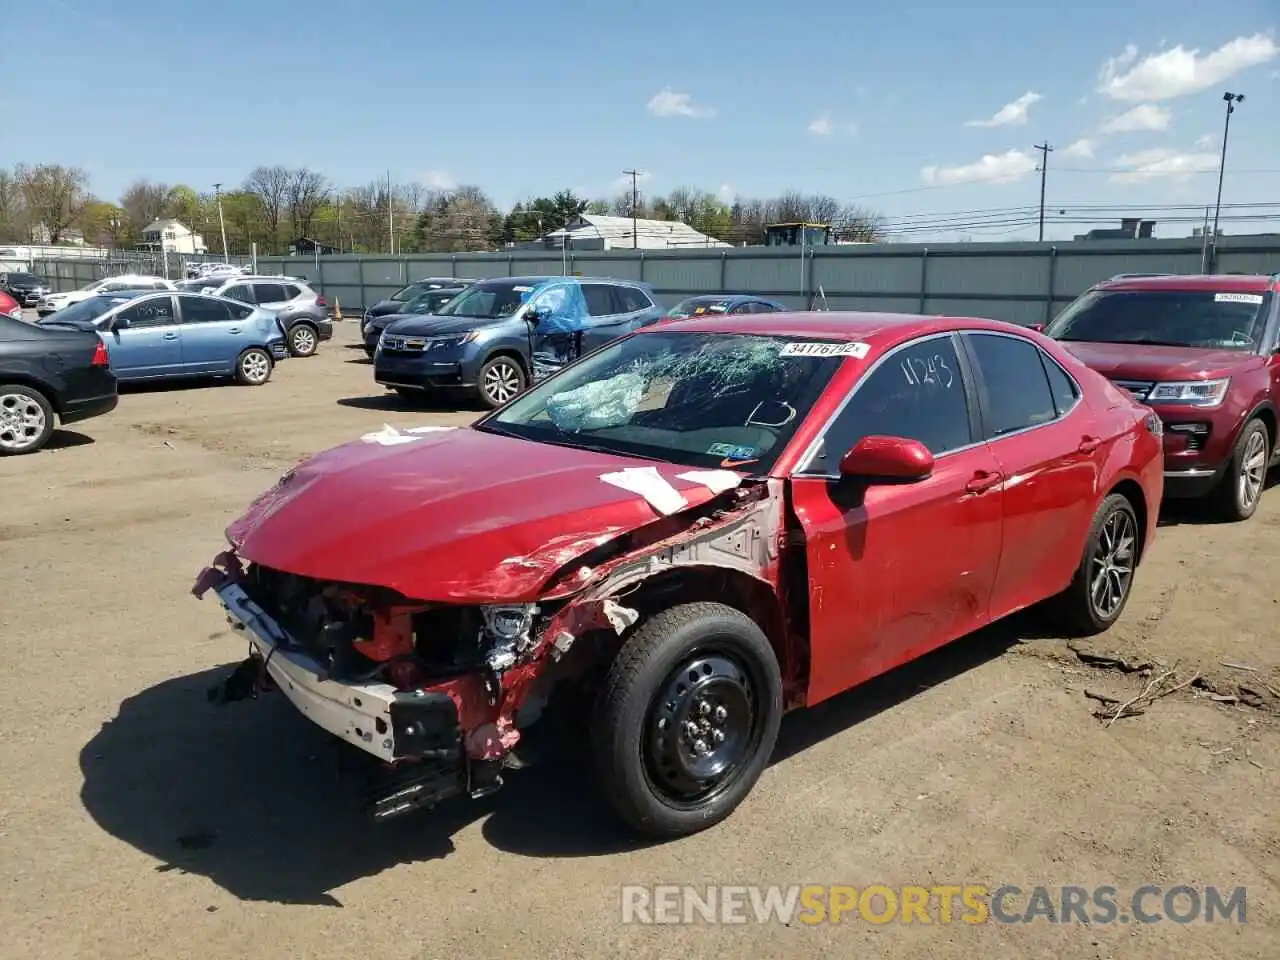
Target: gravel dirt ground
{"x": 137, "y": 820}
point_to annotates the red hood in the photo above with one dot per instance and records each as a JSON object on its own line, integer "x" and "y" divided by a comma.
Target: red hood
{"x": 1129, "y": 361}
{"x": 455, "y": 515}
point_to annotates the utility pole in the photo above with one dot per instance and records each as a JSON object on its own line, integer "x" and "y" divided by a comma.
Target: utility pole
{"x": 635, "y": 203}
{"x": 1231, "y": 100}
{"x": 391, "y": 216}
{"x": 217, "y": 194}
{"x": 1045, "y": 150}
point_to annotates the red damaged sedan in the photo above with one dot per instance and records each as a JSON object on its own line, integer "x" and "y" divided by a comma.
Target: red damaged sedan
{"x": 682, "y": 536}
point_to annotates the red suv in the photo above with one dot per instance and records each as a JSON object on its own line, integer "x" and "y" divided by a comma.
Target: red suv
{"x": 1204, "y": 353}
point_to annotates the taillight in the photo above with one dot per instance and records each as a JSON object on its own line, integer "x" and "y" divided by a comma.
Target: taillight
{"x": 321, "y": 302}
{"x": 100, "y": 356}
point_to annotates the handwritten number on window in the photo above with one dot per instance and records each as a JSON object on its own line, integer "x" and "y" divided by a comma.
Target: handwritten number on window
{"x": 928, "y": 370}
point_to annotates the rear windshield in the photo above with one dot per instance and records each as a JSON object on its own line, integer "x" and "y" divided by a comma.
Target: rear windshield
{"x": 1176, "y": 318}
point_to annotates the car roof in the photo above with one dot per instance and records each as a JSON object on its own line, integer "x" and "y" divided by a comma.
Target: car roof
{"x": 1187, "y": 283}
{"x": 872, "y": 328}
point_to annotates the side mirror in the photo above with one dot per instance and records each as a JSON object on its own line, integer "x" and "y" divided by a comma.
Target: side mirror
{"x": 120, "y": 323}
{"x": 891, "y": 459}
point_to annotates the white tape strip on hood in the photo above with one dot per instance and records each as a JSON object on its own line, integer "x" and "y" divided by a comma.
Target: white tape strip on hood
{"x": 650, "y": 484}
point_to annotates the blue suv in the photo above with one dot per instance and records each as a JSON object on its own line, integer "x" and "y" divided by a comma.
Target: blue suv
{"x": 500, "y": 335}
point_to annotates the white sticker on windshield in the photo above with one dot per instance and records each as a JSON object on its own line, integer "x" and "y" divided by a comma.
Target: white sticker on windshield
{"x": 856, "y": 349}
{"x": 1253, "y": 298}
{"x": 522, "y": 289}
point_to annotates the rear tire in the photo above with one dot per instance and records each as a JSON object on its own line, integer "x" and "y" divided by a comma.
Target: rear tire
{"x": 1100, "y": 589}
{"x": 253, "y": 368}
{"x": 1238, "y": 493}
{"x": 687, "y": 719}
{"x": 26, "y": 419}
{"x": 304, "y": 340}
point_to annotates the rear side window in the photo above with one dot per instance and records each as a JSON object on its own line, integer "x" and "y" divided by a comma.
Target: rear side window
{"x": 239, "y": 311}
{"x": 203, "y": 310}
{"x": 154, "y": 312}
{"x": 633, "y": 299}
{"x": 1018, "y": 392}
{"x": 599, "y": 298}
{"x": 1064, "y": 390}
{"x": 241, "y": 292}
{"x": 291, "y": 291}
{"x": 269, "y": 292}
{"x": 917, "y": 392}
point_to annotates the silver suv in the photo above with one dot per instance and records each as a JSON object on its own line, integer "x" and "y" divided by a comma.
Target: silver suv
{"x": 303, "y": 312}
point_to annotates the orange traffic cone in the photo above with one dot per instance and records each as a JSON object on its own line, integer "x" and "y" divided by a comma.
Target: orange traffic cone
{"x": 337, "y": 309}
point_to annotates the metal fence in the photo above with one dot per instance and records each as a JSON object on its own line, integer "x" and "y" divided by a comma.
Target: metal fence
{"x": 72, "y": 273}
{"x": 1019, "y": 282}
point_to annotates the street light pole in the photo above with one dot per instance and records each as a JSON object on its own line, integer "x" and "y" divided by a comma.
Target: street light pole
{"x": 1231, "y": 100}
{"x": 217, "y": 193}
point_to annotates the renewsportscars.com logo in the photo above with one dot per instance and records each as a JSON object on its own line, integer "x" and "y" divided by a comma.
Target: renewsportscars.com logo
{"x": 941, "y": 904}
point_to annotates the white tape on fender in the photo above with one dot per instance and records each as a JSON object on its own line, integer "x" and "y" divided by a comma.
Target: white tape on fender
{"x": 855, "y": 349}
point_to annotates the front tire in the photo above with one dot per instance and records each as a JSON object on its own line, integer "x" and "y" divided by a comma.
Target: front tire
{"x": 1100, "y": 589}
{"x": 1238, "y": 493}
{"x": 253, "y": 368}
{"x": 687, "y": 719}
{"x": 304, "y": 340}
{"x": 26, "y": 419}
{"x": 501, "y": 378}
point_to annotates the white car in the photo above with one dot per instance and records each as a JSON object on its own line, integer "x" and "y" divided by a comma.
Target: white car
{"x": 56, "y": 301}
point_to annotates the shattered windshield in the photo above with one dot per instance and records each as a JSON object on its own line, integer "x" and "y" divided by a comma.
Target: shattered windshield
{"x": 1176, "y": 318}
{"x": 705, "y": 399}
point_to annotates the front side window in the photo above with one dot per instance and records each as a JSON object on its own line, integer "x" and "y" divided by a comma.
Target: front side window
{"x": 918, "y": 393}
{"x": 269, "y": 292}
{"x": 1017, "y": 387}
{"x": 241, "y": 291}
{"x": 633, "y": 299}
{"x": 1176, "y": 318}
{"x": 153, "y": 312}
{"x": 690, "y": 398}
{"x": 599, "y": 299}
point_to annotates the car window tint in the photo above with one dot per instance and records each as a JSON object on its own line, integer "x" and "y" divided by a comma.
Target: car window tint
{"x": 241, "y": 292}
{"x": 917, "y": 392}
{"x": 269, "y": 292}
{"x": 1018, "y": 394}
{"x": 633, "y": 299}
{"x": 1064, "y": 390}
{"x": 204, "y": 310}
{"x": 291, "y": 291}
{"x": 153, "y": 312}
{"x": 239, "y": 311}
{"x": 744, "y": 307}
{"x": 599, "y": 298}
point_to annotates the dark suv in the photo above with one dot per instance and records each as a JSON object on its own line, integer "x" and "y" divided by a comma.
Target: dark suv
{"x": 26, "y": 288}
{"x": 1204, "y": 353}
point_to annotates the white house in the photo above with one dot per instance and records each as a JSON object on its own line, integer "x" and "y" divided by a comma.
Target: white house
{"x": 173, "y": 236}
{"x": 595, "y": 232}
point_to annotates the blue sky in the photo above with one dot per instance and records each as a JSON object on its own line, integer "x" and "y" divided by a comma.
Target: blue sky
{"x": 876, "y": 103}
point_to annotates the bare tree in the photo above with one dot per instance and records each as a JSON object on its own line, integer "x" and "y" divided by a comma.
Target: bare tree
{"x": 53, "y": 195}
{"x": 145, "y": 202}
{"x": 13, "y": 218}
{"x": 305, "y": 191}
{"x": 271, "y": 186}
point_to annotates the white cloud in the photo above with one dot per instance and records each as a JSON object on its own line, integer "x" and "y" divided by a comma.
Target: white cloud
{"x": 992, "y": 168}
{"x": 726, "y": 193}
{"x": 667, "y": 103}
{"x": 1207, "y": 142}
{"x": 1163, "y": 162}
{"x": 821, "y": 126}
{"x": 1082, "y": 102}
{"x": 1011, "y": 114}
{"x": 1145, "y": 116}
{"x": 438, "y": 180}
{"x": 1081, "y": 149}
{"x": 1177, "y": 72}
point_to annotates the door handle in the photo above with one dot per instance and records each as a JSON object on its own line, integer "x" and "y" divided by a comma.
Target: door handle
{"x": 171, "y": 336}
{"x": 983, "y": 481}
{"x": 233, "y": 330}
{"x": 1089, "y": 444}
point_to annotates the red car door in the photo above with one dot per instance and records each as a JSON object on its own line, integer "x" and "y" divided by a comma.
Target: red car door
{"x": 897, "y": 569}
{"x": 1050, "y": 449}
